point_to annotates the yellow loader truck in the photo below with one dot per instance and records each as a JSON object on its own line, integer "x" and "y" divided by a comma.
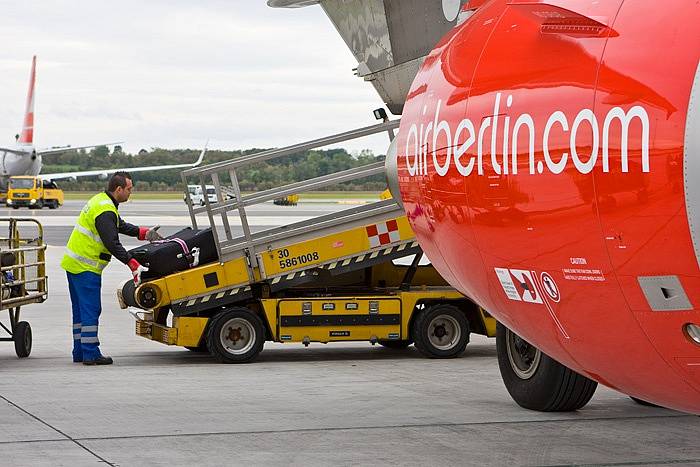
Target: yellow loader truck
{"x": 33, "y": 192}
{"x": 349, "y": 275}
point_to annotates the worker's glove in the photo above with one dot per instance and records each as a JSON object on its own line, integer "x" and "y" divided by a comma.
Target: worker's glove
{"x": 150, "y": 234}
{"x": 136, "y": 270}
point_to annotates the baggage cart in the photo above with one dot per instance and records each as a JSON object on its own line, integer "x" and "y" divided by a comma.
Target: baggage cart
{"x": 22, "y": 277}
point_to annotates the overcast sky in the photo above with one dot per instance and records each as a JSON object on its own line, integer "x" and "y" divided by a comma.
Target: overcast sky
{"x": 173, "y": 73}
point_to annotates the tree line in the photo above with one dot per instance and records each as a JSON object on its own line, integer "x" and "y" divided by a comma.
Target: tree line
{"x": 256, "y": 177}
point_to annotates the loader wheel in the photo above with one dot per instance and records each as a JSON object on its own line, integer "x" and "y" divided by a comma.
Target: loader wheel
{"x": 536, "y": 381}
{"x": 389, "y": 344}
{"x": 235, "y": 336}
{"x": 441, "y": 331}
{"x": 22, "y": 336}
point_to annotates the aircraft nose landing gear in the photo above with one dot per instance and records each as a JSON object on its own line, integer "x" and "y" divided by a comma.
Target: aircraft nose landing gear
{"x": 537, "y": 382}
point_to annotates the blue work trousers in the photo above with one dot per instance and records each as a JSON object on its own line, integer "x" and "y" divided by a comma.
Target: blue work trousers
{"x": 87, "y": 305}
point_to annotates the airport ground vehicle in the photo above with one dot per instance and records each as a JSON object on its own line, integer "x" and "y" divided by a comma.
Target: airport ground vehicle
{"x": 22, "y": 277}
{"x": 33, "y": 192}
{"x": 327, "y": 279}
{"x": 289, "y": 200}
{"x": 196, "y": 194}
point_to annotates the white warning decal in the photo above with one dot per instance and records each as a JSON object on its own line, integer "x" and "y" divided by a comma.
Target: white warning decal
{"x": 507, "y": 283}
{"x": 550, "y": 287}
{"x": 518, "y": 285}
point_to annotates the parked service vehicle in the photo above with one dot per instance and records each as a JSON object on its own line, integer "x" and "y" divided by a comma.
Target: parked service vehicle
{"x": 33, "y": 192}
{"x": 289, "y": 200}
{"x": 197, "y": 197}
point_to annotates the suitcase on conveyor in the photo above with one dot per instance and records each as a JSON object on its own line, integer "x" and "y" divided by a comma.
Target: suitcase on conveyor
{"x": 181, "y": 251}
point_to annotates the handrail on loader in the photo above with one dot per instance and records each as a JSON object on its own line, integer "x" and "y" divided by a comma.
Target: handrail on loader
{"x": 230, "y": 200}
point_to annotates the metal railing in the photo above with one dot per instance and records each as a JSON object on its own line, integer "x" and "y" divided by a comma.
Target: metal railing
{"x": 231, "y": 202}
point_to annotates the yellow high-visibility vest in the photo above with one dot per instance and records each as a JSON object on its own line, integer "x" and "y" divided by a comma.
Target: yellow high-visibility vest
{"x": 85, "y": 250}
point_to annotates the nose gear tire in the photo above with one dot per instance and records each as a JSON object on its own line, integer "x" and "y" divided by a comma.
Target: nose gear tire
{"x": 536, "y": 381}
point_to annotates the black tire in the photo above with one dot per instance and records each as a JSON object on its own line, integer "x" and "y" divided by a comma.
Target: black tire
{"x": 22, "y": 336}
{"x": 242, "y": 325}
{"x": 643, "y": 402}
{"x": 53, "y": 204}
{"x": 389, "y": 344}
{"x": 536, "y": 381}
{"x": 15, "y": 207}
{"x": 437, "y": 323}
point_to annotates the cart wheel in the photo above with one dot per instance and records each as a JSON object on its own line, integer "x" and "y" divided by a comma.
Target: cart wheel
{"x": 22, "y": 336}
{"x": 235, "y": 336}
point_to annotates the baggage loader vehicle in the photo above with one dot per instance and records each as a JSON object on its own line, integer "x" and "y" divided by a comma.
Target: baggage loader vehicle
{"x": 352, "y": 275}
{"x": 22, "y": 277}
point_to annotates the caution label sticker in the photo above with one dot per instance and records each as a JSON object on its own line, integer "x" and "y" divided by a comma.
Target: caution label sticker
{"x": 518, "y": 285}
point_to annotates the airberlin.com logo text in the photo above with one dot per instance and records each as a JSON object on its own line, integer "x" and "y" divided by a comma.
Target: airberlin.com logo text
{"x": 448, "y": 146}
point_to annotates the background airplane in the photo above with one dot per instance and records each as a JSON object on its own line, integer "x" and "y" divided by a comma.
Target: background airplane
{"x": 25, "y": 159}
{"x": 564, "y": 134}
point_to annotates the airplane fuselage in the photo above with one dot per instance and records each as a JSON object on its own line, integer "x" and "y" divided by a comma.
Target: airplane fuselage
{"x": 15, "y": 164}
{"x": 548, "y": 163}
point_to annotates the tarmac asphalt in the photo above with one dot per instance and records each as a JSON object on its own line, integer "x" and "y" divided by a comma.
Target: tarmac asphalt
{"x": 342, "y": 404}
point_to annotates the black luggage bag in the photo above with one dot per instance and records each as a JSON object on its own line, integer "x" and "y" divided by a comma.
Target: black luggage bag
{"x": 181, "y": 251}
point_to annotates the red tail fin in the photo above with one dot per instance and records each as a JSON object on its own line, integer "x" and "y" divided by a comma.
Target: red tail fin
{"x": 27, "y": 134}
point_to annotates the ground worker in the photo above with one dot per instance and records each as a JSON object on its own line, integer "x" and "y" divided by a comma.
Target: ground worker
{"x": 93, "y": 242}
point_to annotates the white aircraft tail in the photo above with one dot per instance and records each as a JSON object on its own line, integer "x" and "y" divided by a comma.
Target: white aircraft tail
{"x": 26, "y": 137}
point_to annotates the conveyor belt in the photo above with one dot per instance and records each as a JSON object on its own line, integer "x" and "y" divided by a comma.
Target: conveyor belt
{"x": 290, "y": 255}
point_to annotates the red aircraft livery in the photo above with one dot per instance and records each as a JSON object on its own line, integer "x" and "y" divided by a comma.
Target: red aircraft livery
{"x": 549, "y": 162}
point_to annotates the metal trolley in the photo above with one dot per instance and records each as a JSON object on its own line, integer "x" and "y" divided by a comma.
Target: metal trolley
{"x": 22, "y": 276}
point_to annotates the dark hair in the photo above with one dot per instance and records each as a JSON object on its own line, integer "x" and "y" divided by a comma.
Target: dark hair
{"x": 118, "y": 179}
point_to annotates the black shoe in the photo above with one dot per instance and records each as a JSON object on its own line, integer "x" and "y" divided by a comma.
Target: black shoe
{"x": 99, "y": 361}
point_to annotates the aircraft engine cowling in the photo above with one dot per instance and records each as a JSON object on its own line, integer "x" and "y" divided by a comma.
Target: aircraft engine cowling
{"x": 548, "y": 161}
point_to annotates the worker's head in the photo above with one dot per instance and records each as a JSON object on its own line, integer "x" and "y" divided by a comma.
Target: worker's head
{"x": 120, "y": 186}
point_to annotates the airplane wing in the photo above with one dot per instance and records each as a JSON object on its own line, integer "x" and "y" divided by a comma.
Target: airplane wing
{"x": 105, "y": 172}
{"x": 15, "y": 151}
{"x": 48, "y": 151}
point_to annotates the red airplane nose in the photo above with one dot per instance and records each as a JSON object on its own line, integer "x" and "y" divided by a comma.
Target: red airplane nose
{"x": 548, "y": 161}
